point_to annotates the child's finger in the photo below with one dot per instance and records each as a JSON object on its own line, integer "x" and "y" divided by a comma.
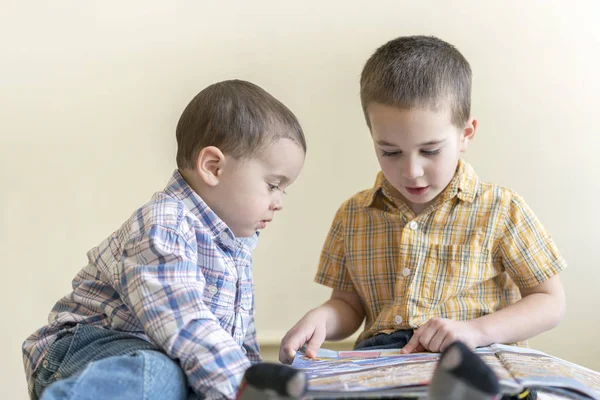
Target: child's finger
{"x": 415, "y": 344}
{"x": 284, "y": 356}
{"x": 291, "y": 354}
{"x": 412, "y": 344}
{"x": 446, "y": 343}
{"x": 435, "y": 344}
{"x": 287, "y": 355}
{"x": 426, "y": 334}
{"x": 419, "y": 349}
{"x": 288, "y": 349}
{"x": 315, "y": 342}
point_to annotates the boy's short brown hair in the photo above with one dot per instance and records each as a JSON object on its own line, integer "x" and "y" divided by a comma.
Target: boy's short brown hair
{"x": 236, "y": 116}
{"x": 418, "y": 71}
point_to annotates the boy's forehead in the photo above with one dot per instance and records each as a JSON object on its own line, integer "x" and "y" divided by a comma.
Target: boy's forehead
{"x": 278, "y": 149}
{"x": 427, "y": 114}
{"x": 282, "y": 158}
{"x": 389, "y": 121}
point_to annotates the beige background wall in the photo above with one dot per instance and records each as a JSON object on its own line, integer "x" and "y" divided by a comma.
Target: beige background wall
{"x": 90, "y": 93}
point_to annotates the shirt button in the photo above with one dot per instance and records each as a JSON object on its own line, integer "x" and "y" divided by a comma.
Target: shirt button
{"x": 57, "y": 375}
{"x": 406, "y": 272}
{"x": 398, "y": 319}
{"x": 413, "y": 225}
{"x": 224, "y": 236}
{"x": 212, "y": 290}
{"x": 45, "y": 364}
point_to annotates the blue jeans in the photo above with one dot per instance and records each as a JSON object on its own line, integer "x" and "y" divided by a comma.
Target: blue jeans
{"x": 87, "y": 362}
{"x": 394, "y": 340}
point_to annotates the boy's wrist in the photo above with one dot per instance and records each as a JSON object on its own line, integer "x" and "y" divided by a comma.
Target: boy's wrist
{"x": 482, "y": 336}
{"x": 318, "y": 315}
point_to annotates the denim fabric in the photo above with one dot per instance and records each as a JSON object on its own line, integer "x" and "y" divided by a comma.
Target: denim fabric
{"x": 394, "y": 340}
{"x": 87, "y": 362}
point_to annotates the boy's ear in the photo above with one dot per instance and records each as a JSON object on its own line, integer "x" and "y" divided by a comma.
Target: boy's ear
{"x": 468, "y": 134}
{"x": 209, "y": 165}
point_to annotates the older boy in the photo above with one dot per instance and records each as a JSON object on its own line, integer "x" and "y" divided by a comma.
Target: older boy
{"x": 430, "y": 254}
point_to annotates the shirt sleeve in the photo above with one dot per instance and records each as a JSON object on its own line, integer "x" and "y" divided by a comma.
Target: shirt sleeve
{"x": 332, "y": 269}
{"x": 163, "y": 285}
{"x": 526, "y": 249}
{"x": 251, "y": 343}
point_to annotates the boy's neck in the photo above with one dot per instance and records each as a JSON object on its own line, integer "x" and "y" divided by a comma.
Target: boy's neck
{"x": 198, "y": 186}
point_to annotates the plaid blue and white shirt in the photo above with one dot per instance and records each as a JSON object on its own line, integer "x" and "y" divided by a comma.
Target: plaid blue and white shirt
{"x": 175, "y": 275}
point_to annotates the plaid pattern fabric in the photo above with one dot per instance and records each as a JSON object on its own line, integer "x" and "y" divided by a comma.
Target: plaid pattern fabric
{"x": 174, "y": 275}
{"x": 465, "y": 256}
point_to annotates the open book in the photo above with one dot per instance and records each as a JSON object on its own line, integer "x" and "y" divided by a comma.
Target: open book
{"x": 387, "y": 373}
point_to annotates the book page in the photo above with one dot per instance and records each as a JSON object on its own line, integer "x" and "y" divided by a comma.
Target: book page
{"x": 366, "y": 370}
{"x": 534, "y": 368}
{"x": 379, "y": 370}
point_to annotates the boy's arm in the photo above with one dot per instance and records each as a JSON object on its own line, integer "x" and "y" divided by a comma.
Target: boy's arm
{"x": 336, "y": 319}
{"x": 529, "y": 256}
{"x": 162, "y": 284}
{"x": 250, "y": 342}
{"x": 541, "y": 308}
{"x": 342, "y": 314}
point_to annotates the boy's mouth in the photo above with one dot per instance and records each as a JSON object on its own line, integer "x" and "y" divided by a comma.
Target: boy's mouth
{"x": 263, "y": 224}
{"x": 417, "y": 191}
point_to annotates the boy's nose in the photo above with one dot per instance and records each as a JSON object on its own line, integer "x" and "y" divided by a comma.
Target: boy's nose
{"x": 412, "y": 170}
{"x": 277, "y": 204}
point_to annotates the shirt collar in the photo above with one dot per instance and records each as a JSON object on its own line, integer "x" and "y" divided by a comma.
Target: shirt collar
{"x": 465, "y": 185}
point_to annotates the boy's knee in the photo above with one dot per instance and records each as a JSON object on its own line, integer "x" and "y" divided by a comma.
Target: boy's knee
{"x": 58, "y": 390}
{"x": 162, "y": 374}
{"x": 146, "y": 374}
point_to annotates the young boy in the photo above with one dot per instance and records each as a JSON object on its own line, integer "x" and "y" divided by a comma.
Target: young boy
{"x": 166, "y": 301}
{"x": 430, "y": 254}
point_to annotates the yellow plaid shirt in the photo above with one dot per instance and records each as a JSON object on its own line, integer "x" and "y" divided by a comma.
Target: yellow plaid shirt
{"x": 465, "y": 256}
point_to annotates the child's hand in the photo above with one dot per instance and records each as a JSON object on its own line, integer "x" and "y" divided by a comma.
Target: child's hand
{"x": 438, "y": 333}
{"x": 310, "y": 329}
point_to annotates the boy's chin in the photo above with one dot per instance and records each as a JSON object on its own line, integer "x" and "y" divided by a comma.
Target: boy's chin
{"x": 419, "y": 199}
{"x": 245, "y": 233}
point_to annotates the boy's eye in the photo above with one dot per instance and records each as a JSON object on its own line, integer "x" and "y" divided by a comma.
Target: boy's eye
{"x": 390, "y": 153}
{"x": 273, "y": 188}
{"x": 431, "y": 152}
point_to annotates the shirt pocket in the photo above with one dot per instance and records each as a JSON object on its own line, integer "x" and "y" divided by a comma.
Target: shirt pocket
{"x": 219, "y": 295}
{"x": 449, "y": 271}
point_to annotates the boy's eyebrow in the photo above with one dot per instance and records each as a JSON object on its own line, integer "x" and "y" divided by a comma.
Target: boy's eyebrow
{"x": 280, "y": 178}
{"x": 385, "y": 143}
{"x": 429, "y": 143}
